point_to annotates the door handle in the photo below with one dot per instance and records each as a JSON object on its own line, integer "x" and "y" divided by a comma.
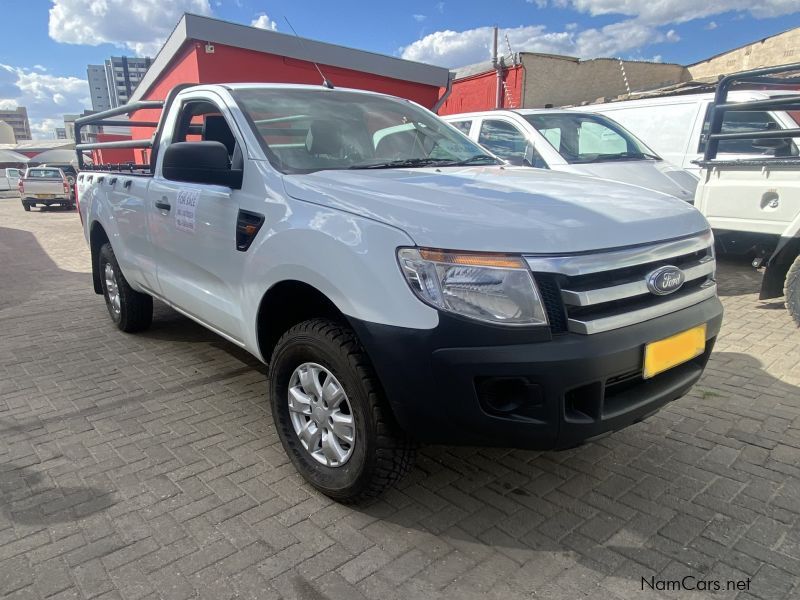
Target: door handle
{"x": 127, "y": 183}
{"x": 163, "y": 205}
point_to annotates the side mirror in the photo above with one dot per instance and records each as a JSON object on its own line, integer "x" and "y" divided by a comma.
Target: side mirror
{"x": 200, "y": 162}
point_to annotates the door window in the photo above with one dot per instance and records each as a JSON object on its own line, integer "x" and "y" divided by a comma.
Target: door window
{"x": 509, "y": 143}
{"x": 202, "y": 121}
{"x": 462, "y": 126}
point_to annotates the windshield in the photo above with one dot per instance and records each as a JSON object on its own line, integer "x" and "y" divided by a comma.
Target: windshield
{"x": 303, "y": 131}
{"x": 589, "y": 138}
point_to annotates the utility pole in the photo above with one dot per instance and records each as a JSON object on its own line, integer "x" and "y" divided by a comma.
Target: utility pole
{"x": 497, "y": 63}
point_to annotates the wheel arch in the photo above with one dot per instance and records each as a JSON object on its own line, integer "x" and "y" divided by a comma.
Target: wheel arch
{"x": 287, "y": 303}
{"x": 97, "y": 237}
{"x": 777, "y": 268}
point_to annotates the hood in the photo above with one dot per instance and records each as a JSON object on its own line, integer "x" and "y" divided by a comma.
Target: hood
{"x": 656, "y": 175}
{"x": 502, "y": 209}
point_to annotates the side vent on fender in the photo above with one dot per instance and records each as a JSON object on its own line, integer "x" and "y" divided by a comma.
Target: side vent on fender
{"x": 247, "y": 226}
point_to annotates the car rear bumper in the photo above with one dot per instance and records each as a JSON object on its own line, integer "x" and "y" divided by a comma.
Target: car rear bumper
{"x": 469, "y": 383}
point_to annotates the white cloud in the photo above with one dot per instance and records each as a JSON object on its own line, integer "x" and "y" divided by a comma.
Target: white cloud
{"x": 440, "y": 7}
{"x": 44, "y": 129}
{"x": 663, "y": 12}
{"x": 262, "y": 21}
{"x": 419, "y": 18}
{"x": 140, "y": 26}
{"x": 47, "y": 97}
{"x": 459, "y": 48}
{"x": 711, "y": 25}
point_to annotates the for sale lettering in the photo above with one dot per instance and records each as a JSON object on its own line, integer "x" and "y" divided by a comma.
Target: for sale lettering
{"x": 185, "y": 209}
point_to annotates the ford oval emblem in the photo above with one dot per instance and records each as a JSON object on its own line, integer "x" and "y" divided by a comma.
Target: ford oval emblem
{"x": 665, "y": 280}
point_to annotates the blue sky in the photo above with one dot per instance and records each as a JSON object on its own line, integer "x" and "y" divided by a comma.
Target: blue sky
{"x": 46, "y": 46}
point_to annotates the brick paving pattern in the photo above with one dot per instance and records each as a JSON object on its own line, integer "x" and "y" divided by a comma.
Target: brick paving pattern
{"x": 147, "y": 466}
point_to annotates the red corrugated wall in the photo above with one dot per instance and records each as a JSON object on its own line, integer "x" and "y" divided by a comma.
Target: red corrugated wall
{"x": 479, "y": 92}
{"x": 105, "y": 156}
{"x": 227, "y": 65}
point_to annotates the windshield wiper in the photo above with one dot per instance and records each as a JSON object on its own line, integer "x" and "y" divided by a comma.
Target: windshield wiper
{"x": 627, "y": 156}
{"x": 473, "y": 160}
{"x": 401, "y": 163}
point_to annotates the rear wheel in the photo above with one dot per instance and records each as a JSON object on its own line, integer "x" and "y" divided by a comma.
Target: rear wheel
{"x": 791, "y": 290}
{"x": 330, "y": 413}
{"x": 130, "y": 310}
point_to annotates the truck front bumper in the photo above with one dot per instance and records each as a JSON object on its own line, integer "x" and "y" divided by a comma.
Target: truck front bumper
{"x": 469, "y": 383}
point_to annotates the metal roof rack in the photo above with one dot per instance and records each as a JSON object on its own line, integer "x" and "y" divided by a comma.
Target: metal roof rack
{"x": 761, "y": 77}
{"x": 104, "y": 118}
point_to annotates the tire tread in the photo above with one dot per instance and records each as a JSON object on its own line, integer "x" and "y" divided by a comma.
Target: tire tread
{"x": 395, "y": 450}
{"x": 791, "y": 290}
{"x": 137, "y": 311}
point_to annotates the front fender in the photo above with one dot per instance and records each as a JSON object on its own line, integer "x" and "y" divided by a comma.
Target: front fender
{"x": 350, "y": 259}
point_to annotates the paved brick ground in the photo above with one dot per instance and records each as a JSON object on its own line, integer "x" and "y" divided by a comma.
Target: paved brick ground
{"x": 147, "y": 466}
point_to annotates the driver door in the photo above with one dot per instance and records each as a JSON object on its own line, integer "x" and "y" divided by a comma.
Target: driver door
{"x": 193, "y": 225}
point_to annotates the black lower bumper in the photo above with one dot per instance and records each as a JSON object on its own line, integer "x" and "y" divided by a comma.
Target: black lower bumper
{"x": 469, "y": 383}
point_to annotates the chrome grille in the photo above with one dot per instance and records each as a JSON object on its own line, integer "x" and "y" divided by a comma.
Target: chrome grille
{"x": 608, "y": 290}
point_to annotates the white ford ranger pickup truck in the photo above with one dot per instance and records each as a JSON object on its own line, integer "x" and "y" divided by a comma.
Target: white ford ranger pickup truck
{"x": 402, "y": 284}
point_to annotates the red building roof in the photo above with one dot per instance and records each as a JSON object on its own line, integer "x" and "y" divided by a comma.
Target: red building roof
{"x": 205, "y": 50}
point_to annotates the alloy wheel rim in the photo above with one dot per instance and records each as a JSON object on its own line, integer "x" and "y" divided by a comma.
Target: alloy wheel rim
{"x": 112, "y": 289}
{"x": 321, "y": 415}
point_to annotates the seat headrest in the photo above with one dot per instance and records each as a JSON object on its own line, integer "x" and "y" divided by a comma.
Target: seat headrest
{"x": 216, "y": 129}
{"x": 324, "y": 137}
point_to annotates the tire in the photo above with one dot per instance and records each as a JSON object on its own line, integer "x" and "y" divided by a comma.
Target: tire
{"x": 380, "y": 454}
{"x": 26, "y": 207}
{"x": 791, "y": 290}
{"x": 131, "y": 311}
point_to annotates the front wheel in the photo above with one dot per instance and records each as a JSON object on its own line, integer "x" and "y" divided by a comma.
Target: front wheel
{"x": 331, "y": 416}
{"x": 130, "y": 310}
{"x": 25, "y": 206}
{"x": 791, "y": 290}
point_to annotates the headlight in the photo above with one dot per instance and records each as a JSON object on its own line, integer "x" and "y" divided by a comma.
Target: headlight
{"x": 490, "y": 287}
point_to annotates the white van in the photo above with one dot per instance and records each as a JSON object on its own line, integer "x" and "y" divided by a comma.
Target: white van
{"x": 676, "y": 126}
{"x": 584, "y": 144}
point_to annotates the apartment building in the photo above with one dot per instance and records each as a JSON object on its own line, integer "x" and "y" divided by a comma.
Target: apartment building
{"x": 18, "y": 120}
{"x": 112, "y": 83}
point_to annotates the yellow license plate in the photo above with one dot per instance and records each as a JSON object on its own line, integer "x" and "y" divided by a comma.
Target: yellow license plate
{"x": 667, "y": 353}
{"x": 45, "y": 196}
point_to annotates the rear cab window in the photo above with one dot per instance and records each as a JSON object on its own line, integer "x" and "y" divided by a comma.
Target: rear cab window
{"x": 747, "y": 121}
{"x": 43, "y": 174}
